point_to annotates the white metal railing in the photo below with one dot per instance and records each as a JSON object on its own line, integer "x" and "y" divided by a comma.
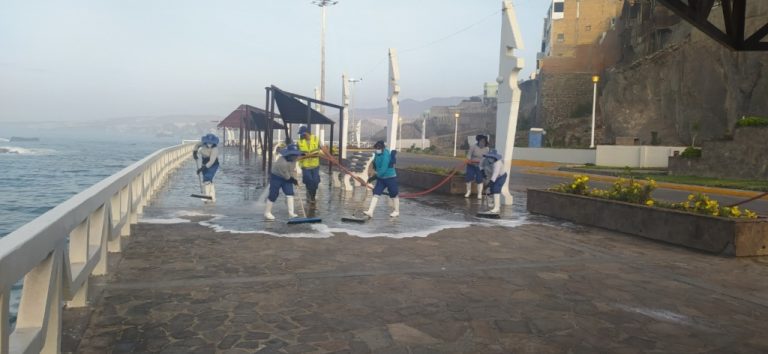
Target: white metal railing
{"x": 96, "y": 221}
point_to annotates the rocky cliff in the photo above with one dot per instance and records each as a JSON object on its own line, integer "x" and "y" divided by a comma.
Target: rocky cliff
{"x": 675, "y": 85}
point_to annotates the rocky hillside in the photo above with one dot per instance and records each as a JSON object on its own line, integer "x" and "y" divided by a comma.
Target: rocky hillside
{"x": 679, "y": 85}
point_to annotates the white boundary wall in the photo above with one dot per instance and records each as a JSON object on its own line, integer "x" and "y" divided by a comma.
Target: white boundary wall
{"x": 635, "y": 156}
{"x": 604, "y": 155}
{"x": 96, "y": 222}
{"x": 571, "y": 156}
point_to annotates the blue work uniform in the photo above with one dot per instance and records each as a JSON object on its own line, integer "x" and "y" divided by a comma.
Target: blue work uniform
{"x": 386, "y": 176}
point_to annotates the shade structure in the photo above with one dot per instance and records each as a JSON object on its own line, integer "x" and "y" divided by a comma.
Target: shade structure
{"x": 248, "y": 119}
{"x": 294, "y": 111}
{"x": 258, "y": 118}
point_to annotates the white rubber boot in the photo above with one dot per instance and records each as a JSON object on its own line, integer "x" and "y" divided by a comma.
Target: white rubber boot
{"x": 396, "y": 206}
{"x": 479, "y": 191}
{"x": 207, "y": 192}
{"x": 289, "y": 202}
{"x": 469, "y": 190}
{"x": 268, "y": 211}
{"x": 370, "y": 210}
{"x": 496, "y": 204}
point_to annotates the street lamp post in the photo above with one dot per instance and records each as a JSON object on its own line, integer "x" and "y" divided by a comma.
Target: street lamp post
{"x": 455, "y": 132}
{"x": 595, "y": 80}
{"x": 399, "y": 133}
{"x": 323, "y": 4}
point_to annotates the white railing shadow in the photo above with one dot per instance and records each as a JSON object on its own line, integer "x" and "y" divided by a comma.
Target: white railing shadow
{"x": 96, "y": 222}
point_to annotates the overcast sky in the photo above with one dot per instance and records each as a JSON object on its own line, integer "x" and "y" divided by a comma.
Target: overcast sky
{"x": 93, "y": 59}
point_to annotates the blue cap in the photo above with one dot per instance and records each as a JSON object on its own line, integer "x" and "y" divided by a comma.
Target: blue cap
{"x": 494, "y": 154}
{"x": 291, "y": 149}
{"x": 210, "y": 139}
{"x": 303, "y": 129}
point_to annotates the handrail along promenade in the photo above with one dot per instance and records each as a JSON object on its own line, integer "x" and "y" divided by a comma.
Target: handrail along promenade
{"x": 57, "y": 252}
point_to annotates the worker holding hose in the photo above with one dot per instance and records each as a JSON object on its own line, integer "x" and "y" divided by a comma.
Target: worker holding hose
{"x": 386, "y": 178}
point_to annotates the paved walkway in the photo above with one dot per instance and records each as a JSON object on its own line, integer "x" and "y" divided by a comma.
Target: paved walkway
{"x": 537, "y": 288}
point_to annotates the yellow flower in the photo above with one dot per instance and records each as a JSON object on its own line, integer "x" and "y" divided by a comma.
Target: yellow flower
{"x": 649, "y": 202}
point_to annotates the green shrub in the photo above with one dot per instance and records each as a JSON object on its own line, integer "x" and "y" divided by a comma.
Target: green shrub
{"x": 690, "y": 153}
{"x": 752, "y": 122}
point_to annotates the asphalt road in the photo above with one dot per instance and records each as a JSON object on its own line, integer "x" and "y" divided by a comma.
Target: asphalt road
{"x": 523, "y": 178}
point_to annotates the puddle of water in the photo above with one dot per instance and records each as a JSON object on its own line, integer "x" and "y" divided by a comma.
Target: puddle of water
{"x": 241, "y": 190}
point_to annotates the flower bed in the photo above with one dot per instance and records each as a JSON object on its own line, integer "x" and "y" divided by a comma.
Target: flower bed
{"x": 699, "y": 222}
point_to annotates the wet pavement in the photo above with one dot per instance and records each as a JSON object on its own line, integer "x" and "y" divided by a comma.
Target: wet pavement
{"x": 241, "y": 192}
{"x": 202, "y": 279}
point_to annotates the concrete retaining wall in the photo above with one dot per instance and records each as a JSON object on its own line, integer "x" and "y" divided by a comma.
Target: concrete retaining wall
{"x": 744, "y": 157}
{"x": 635, "y": 156}
{"x": 572, "y": 156}
{"x": 741, "y": 237}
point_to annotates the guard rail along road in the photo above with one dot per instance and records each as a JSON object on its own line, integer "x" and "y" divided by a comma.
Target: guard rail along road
{"x": 57, "y": 252}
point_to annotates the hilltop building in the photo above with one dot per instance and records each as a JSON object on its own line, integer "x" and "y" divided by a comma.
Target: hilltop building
{"x": 578, "y": 42}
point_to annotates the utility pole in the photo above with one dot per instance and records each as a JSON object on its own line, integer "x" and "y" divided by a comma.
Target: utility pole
{"x": 323, "y": 4}
{"x": 595, "y": 80}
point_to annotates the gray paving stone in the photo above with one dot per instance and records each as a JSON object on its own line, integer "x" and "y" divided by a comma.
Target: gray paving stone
{"x": 531, "y": 289}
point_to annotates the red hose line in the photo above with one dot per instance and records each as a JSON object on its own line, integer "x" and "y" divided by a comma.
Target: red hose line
{"x": 445, "y": 180}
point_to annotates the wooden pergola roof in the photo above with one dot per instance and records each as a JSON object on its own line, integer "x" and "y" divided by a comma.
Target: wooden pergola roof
{"x": 258, "y": 116}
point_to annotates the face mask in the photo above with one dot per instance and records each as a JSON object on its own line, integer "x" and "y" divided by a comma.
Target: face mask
{"x": 481, "y": 143}
{"x": 379, "y": 151}
{"x": 209, "y": 145}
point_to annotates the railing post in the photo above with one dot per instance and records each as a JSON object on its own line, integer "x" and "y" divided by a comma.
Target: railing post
{"x": 102, "y": 228}
{"x": 41, "y": 300}
{"x": 5, "y": 294}
{"x": 52, "y": 327}
{"x": 79, "y": 253}
{"x": 115, "y": 242}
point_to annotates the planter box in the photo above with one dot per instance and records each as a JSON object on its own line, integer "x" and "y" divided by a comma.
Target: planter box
{"x": 740, "y": 237}
{"x": 426, "y": 180}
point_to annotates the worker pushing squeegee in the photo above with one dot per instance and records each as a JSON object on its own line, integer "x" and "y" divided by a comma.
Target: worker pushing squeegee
{"x": 207, "y": 150}
{"x": 284, "y": 177}
{"x": 495, "y": 177}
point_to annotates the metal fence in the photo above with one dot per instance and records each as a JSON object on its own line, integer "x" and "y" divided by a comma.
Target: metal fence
{"x": 57, "y": 252}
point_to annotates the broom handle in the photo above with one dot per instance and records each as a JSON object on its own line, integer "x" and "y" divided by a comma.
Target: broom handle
{"x": 200, "y": 179}
{"x": 301, "y": 201}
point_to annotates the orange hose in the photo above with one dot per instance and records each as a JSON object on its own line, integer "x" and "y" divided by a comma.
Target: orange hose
{"x": 328, "y": 157}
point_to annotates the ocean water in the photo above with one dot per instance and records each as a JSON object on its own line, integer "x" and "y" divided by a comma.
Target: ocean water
{"x": 38, "y": 175}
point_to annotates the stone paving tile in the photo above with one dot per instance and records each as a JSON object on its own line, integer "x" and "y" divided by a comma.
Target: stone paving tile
{"x": 533, "y": 289}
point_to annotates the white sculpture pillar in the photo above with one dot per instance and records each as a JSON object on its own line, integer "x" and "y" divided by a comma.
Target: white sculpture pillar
{"x": 509, "y": 92}
{"x": 345, "y": 122}
{"x": 392, "y": 100}
{"x": 358, "y": 129}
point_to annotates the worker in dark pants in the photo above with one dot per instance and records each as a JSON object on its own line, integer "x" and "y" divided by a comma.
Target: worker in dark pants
{"x": 310, "y": 163}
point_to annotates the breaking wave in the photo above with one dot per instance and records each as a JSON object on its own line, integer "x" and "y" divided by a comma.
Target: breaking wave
{"x": 15, "y": 150}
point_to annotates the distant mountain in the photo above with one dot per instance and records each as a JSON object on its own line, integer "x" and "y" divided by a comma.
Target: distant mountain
{"x": 409, "y": 109}
{"x": 177, "y": 126}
